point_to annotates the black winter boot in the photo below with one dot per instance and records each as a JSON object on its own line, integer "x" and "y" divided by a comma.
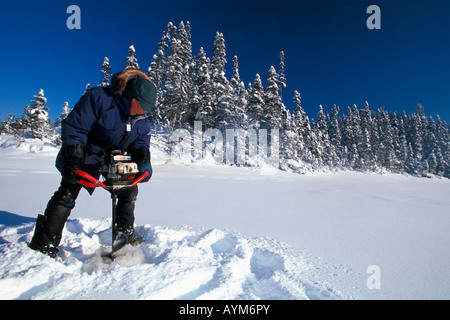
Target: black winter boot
{"x": 41, "y": 241}
{"x": 49, "y": 227}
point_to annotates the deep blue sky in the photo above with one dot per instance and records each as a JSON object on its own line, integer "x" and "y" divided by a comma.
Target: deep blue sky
{"x": 331, "y": 56}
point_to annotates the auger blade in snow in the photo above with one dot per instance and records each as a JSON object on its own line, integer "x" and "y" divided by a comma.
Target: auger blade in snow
{"x": 109, "y": 256}
{"x": 120, "y": 241}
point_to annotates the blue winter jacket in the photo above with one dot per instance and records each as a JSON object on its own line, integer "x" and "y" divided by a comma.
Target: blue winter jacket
{"x": 101, "y": 122}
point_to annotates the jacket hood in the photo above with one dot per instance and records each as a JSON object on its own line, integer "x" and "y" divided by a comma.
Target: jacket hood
{"x": 120, "y": 80}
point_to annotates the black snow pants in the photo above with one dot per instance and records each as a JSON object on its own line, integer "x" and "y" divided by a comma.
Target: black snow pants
{"x": 49, "y": 227}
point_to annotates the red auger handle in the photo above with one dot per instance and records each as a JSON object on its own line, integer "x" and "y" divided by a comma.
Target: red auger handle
{"x": 142, "y": 177}
{"x": 91, "y": 181}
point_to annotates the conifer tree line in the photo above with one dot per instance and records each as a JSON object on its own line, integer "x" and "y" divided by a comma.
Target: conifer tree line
{"x": 35, "y": 122}
{"x": 196, "y": 88}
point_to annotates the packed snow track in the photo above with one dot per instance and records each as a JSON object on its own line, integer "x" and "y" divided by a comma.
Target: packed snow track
{"x": 171, "y": 264}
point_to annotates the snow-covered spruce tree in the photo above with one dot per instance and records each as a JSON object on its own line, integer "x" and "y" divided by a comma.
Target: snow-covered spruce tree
{"x": 188, "y": 91}
{"x": 184, "y": 35}
{"x": 307, "y": 154}
{"x": 171, "y": 86}
{"x": 350, "y": 151}
{"x": 38, "y": 121}
{"x": 443, "y": 146}
{"x": 57, "y": 126}
{"x": 402, "y": 143}
{"x": 277, "y": 117}
{"x": 221, "y": 97}
{"x": 291, "y": 142}
{"x": 352, "y": 156}
{"x": 238, "y": 121}
{"x": 15, "y": 126}
{"x": 106, "y": 73}
{"x": 367, "y": 161}
{"x": 20, "y": 126}
{"x": 87, "y": 88}
{"x": 235, "y": 77}
{"x": 281, "y": 80}
{"x": 335, "y": 137}
{"x": 396, "y": 140}
{"x": 374, "y": 138}
{"x": 255, "y": 106}
{"x": 64, "y": 113}
{"x": 357, "y": 137}
{"x": 385, "y": 151}
{"x": 6, "y": 125}
{"x": 314, "y": 146}
{"x": 239, "y": 94}
{"x": 157, "y": 71}
{"x": 202, "y": 80}
{"x": 275, "y": 112}
{"x": 325, "y": 147}
{"x": 298, "y": 126}
{"x": 307, "y": 143}
{"x": 416, "y": 140}
{"x": 131, "y": 60}
{"x": 177, "y": 82}
{"x": 435, "y": 148}
{"x": 193, "y": 104}
{"x": 430, "y": 147}
{"x": 296, "y": 150}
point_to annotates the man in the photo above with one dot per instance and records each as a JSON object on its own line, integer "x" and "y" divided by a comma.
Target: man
{"x": 105, "y": 119}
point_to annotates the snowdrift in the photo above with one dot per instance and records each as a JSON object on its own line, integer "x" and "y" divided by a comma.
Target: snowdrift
{"x": 170, "y": 264}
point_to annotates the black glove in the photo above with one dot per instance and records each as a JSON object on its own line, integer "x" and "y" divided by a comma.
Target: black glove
{"x": 73, "y": 158}
{"x": 142, "y": 158}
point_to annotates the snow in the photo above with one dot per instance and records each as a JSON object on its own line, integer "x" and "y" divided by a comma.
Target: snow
{"x": 221, "y": 232}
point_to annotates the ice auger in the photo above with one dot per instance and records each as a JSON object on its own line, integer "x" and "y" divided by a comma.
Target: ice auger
{"x": 119, "y": 172}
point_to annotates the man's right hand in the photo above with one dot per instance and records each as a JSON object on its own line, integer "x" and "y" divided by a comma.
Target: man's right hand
{"x": 73, "y": 157}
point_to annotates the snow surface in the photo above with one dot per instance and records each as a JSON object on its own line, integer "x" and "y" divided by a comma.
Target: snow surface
{"x": 221, "y": 232}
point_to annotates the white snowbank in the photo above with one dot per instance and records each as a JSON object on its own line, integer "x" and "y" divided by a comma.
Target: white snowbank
{"x": 171, "y": 264}
{"x": 8, "y": 141}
